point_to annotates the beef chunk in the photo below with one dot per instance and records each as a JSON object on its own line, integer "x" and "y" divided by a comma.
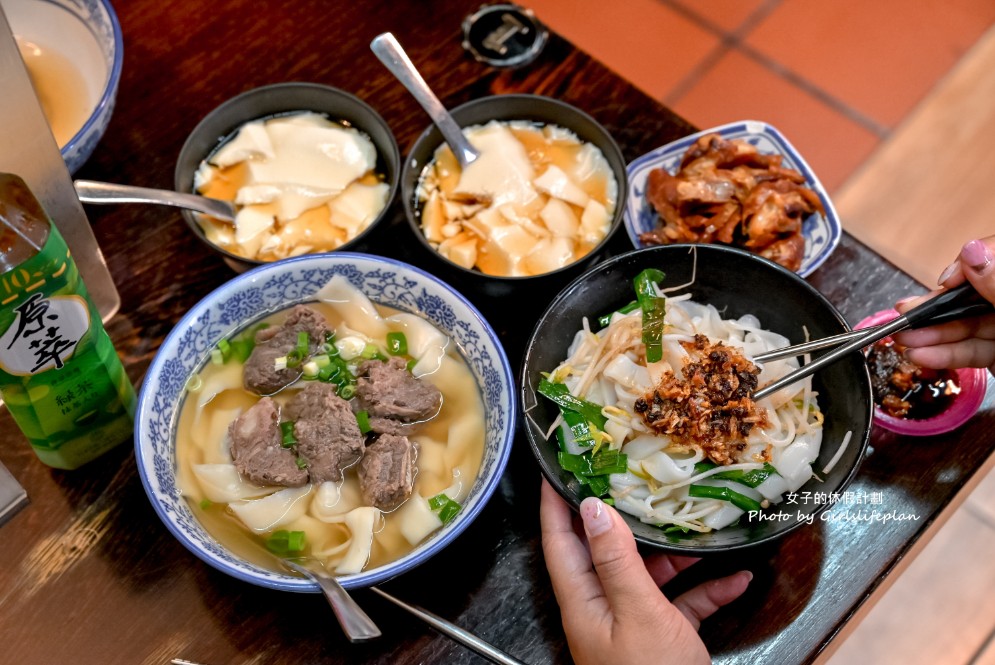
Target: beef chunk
{"x": 328, "y": 436}
{"x": 257, "y": 450}
{"x": 260, "y": 375}
{"x": 386, "y": 472}
{"x": 393, "y": 397}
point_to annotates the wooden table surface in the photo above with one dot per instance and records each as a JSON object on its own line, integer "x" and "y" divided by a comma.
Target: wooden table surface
{"x": 88, "y": 573}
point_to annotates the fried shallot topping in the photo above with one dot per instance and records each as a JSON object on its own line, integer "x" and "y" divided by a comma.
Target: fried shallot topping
{"x": 711, "y": 408}
{"x": 729, "y": 193}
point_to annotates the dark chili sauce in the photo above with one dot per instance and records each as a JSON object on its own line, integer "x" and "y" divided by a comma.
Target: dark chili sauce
{"x": 906, "y": 390}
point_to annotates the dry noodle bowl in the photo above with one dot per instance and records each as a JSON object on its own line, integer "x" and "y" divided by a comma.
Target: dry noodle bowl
{"x": 609, "y": 369}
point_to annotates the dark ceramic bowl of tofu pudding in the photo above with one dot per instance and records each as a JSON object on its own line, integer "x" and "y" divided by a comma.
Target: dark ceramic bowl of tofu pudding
{"x": 348, "y": 412}
{"x": 536, "y": 208}
{"x": 310, "y": 168}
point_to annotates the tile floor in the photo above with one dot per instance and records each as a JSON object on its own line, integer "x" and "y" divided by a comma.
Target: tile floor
{"x": 864, "y": 90}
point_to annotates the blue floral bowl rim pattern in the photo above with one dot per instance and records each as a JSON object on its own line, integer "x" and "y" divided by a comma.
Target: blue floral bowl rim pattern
{"x": 110, "y": 86}
{"x": 428, "y": 548}
{"x": 752, "y": 127}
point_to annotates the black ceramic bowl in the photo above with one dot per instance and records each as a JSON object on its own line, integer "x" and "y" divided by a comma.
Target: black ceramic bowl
{"x": 737, "y": 283}
{"x": 513, "y": 107}
{"x": 284, "y": 99}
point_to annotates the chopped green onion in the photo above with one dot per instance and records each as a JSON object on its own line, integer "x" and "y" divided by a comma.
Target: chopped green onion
{"x": 370, "y": 351}
{"x": 609, "y": 500}
{"x": 194, "y": 383}
{"x": 217, "y": 358}
{"x": 205, "y": 504}
{"x": 225, "y": 348}
{"x": 322, "y": 360}
{"x": 311, "y": 370}
{"x": 363, "y": 420}
{"x": 741, "y": 501}
{"x": 447, "y": 508}
{"x": 559, "y": 394}
{"x": 347, "y": 391}
{"x": 287, "y": 434}
{"x": 241, "y": 349}
{"x": 300, "y": 352}
{"x": 286, "y": 542}
{"x": 606, "y": 319}
{"x": 449, "y": 511}
{"x": 397, "y": 344}
{"x": 438, "y": 501}
{"x": 328, "y": 374}
{"x": 595, "y": 485}
{"x": 280, "y": 364}
{"x": 654, "y": 309}
{"x": 411, "y": 364}
{"x": 301, "y": 463}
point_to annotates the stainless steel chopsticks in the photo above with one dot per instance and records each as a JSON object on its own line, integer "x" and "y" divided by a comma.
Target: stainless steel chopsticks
{"x": 957, "y": 303}
{"x": 453, "y": 631}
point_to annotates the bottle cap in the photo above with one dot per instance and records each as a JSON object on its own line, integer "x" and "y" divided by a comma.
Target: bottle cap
{"x": 504, "y": 35}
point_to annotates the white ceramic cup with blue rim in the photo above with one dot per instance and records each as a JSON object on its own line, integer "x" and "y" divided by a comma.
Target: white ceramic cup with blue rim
{"x": 273, "y": 287}
{"x": 88, "y": 35}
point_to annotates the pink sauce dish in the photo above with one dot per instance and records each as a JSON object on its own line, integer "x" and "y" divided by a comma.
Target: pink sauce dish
{"x": 973, "y": 383}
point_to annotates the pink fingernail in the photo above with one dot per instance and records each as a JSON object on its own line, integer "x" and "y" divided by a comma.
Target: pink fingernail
{"x": 749, "y": 576}
{"x": 976, "y": 255}
{"x": 905, "y": 300}
{"x": 947, "y": 273}
{"x": 595, "y": 516}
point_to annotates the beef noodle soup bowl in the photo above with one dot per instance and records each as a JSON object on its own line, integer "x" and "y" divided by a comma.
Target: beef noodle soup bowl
{"x": 345, "y": 410}
{"x": 673, "y": 437}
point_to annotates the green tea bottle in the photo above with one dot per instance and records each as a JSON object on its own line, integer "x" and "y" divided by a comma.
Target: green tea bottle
{"x": 59, "y": 373}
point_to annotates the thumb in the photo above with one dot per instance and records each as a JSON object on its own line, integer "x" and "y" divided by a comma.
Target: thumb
{"x": 979, "y": 267}
{"x": 630, "y": 590}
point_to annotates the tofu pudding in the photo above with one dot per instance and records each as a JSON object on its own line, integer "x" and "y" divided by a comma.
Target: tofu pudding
{"x": 536, "y": 200}
{"x": 301, "y": 184}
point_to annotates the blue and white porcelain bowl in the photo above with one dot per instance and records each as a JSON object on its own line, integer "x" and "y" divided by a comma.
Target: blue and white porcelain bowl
{"x": 270, "y": 288}
{"x": 822, "y": 232}
{"x": 86, "y": 33}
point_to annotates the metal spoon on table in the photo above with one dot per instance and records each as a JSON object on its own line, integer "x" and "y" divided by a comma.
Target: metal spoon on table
{"x": 390, "y": 53}
{"x": 102, "y": 193}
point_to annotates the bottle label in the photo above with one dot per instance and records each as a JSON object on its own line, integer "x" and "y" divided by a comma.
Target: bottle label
{"x": 44, "y": 334}
{"x": 59, "y": 373}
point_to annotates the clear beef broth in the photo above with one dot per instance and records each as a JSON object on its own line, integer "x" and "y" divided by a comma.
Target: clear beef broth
{"x": 202, "y": 438}
{"x": 905, "y": 390}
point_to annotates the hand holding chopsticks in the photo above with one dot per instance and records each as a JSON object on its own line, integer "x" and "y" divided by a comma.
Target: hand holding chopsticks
{"x": 957, "y": 303}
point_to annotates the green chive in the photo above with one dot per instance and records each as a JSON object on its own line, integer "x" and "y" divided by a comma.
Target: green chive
{"x": 397, "y": 344}
{"x": 654, "y": 309}
{"x": 287, "y": 433}
{"x": 741, "y": 501}
{"x": 606, "y": 319}
{"x": 370, "y": 351}
{"x": 559, "y": 394}
{"x": 363, "y": 420}
{"x": 411, "y": 364}
{"x": 347, "y": 391}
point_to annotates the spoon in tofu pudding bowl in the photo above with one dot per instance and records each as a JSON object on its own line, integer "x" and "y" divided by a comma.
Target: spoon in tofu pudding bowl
{"x": 508, "y": 188}
{"x": 308, "y": 168}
